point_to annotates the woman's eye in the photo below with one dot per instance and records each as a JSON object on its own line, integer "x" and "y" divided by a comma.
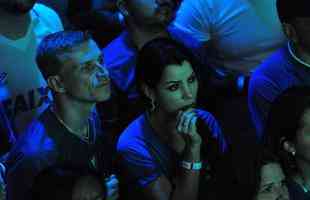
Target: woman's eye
{"x": 192, "y": 79}
{"x": 173, "y": 87}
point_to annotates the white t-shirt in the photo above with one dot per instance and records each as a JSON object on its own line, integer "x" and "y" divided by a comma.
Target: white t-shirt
{"x": 25, "y": 95}
{"x": 241, "y": 32}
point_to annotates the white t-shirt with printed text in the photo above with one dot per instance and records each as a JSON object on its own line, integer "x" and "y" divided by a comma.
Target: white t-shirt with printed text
{"x": 25, "y": 94}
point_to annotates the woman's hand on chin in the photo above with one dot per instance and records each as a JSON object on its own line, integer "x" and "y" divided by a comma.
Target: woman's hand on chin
{"x": 186, "y": 127}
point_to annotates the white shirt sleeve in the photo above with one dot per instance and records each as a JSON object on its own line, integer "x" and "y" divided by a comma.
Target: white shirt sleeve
{"x": 50, "y": 17}
{"x": 193, "y": 17}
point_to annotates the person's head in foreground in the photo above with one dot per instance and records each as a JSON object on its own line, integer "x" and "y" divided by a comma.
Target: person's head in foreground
{"x": 287, "y": 133}
{"x": 68, "y": 183}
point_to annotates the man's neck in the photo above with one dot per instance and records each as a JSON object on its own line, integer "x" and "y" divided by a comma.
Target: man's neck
{"x": 140, "y": 35}
{"x": 73, "y": 113}
{"x": 14, "y": 26}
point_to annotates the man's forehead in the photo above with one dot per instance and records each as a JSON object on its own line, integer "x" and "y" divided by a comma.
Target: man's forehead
{"x": 84, "y": 52}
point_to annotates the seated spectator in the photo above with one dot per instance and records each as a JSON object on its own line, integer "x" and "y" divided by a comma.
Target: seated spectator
{"x": 234, "y": 37}
{"x": 101, "y": 17}
{"x": 68, "y": 131}
{"x": 144, "y": 20}
{"x": 23, "y": 24}
{"x": 287, "y": 67}
{"x": 287, "y": 132}
{"x": 271, "y": 180}
{"x": 64, "y": 183}
{"x": 160, "y": 150}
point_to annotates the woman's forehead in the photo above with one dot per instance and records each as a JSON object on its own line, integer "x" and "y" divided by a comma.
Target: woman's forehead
{"x": 177, "y": 71}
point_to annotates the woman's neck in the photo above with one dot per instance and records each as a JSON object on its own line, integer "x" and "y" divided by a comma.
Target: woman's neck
{"x": 163, "y": 124}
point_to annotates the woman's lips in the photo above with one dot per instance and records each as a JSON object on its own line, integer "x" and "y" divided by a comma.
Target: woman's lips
{"x": 184, "y": 108}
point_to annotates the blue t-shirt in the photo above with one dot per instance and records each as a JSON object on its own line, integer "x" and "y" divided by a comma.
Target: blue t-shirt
{"x": 144, "y": 157}
{"x": 278, "y": 73}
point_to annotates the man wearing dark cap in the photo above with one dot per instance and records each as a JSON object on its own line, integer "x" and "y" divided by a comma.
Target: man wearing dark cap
{"x": 289, "y": 66}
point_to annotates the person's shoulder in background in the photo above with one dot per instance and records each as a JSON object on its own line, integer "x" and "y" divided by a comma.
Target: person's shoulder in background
{"x": 48, "y": 16}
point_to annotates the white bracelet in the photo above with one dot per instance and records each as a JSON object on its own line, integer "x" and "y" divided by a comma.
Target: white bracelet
{"x": 191, "y": 165}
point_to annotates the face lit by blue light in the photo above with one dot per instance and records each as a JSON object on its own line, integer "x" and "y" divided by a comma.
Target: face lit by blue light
{"x": 83, "y": 75}
{"x": 176, "y": 89}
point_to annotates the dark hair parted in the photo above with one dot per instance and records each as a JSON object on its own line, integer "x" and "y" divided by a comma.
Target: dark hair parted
{"x": 55, "y": 44}
{"x": 289, "y": 10}
{"x": 284, "y": 121}
{"x": 155, "y": 56}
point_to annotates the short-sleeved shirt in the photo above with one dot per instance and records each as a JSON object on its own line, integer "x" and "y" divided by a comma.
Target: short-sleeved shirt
{"x": 242, "y": 33}
{"x": 277, "y": 73}
{"x": 25, "y": 94}
{"x": 47, "y": 142}
{"x": 144, "y": 157}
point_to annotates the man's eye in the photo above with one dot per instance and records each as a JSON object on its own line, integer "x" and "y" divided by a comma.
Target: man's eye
{"x": 173, "y": 87}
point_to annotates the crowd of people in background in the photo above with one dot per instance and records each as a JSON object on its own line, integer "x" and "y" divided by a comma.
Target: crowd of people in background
{"x": 154, "y": 99}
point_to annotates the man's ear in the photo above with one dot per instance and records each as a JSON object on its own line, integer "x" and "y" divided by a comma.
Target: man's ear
{"x": 56, "y": 84}
{"x": 290, "y": 32}
{"x": 289, "y": 147}
{"x": 148, "y": 92}
{"x": 121, "y": 5}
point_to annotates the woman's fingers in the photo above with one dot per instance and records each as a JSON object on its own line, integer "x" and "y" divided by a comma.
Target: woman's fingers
{"x": 184, "y": 121}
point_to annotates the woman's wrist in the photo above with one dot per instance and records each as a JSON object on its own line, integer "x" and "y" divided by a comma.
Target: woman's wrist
{"x": 192, "y": 154}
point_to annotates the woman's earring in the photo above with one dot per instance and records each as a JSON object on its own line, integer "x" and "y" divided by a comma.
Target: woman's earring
{"x": 152, "y": 105}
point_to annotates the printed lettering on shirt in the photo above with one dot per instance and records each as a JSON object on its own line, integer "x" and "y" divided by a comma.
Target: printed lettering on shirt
{"x": 26, "y": 102}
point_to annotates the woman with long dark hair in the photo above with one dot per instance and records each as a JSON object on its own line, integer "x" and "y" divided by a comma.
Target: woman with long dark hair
{"x": 173, "y": 147}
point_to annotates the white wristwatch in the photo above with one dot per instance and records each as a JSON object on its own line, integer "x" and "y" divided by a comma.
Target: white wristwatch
{"x": 191, "y": 165}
